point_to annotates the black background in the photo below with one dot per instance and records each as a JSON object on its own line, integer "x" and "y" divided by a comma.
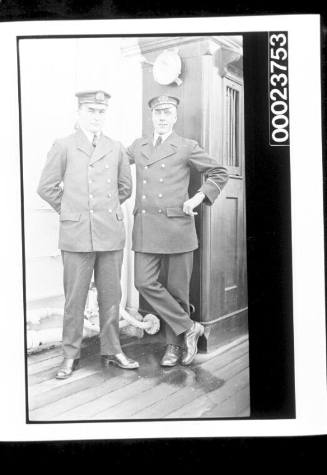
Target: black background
{"x": 268, "y": 229}
{"x": 268, "y": 210}
{"x": 22, "y": 10}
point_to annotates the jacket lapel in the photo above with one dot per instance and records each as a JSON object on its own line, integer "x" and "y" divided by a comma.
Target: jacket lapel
{"x": 83, "y": 143}
{"x": 147, "y": 148}
{"x": 167, "y": 148}
{"x": 104, "y": 146}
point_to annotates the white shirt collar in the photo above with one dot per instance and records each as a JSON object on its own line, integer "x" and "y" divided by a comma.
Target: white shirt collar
{"x": 164, "y": 137}
{"x": 89, "y": 135}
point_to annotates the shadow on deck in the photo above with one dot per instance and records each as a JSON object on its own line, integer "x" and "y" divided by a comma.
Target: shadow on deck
{"x": 216, "y": 385}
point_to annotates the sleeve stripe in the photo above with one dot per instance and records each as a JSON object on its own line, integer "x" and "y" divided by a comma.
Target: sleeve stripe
{"x": 209, "y": 179}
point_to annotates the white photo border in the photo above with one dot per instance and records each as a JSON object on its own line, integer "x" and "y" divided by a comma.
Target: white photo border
{"x": 307, "y": 235}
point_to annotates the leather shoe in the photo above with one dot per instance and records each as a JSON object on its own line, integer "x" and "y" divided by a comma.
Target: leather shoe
{"x": 67, "y": 367}
{"x": 171, "y": 356}
{"x": 120, "y": 359}
{"x": 191, "y": 342}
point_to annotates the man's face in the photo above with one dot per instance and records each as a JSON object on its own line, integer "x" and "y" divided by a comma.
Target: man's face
{"x": 164, "y": 119}
{"x": 92, "y": 116}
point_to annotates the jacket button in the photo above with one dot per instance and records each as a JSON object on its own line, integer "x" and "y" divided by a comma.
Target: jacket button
{"x": 143, "y": 211}
{"x": 159, "y": 210}
{"x": 108, "y": 181}
{"x": 91, "y": 196}
{"x": 109, "y": 194}
{"x": 106, "y": 166}
{"x": 143, "y": 197}
{"x": 110, "y": 210}
{"x": 146, "y": 167}
{"x": 160, "y": 195}
{"x": 163, "y": 165}
{"x": 145, "y": 182}
{"x": 161, "y": 180}
{"x": 91, "y": 211}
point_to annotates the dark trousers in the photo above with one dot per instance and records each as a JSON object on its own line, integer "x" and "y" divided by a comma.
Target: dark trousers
{"x": 163, "y": 280}
{"x": 78, "y": 269}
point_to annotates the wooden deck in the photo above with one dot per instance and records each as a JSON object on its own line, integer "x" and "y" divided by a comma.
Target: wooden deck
{"x": 216, "y": 385}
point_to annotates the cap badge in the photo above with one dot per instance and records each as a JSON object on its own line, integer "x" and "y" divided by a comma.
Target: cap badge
{"x": 99, "y": 96}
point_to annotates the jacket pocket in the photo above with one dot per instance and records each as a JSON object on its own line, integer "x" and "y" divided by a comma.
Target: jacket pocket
{"x": 176, "y": 213}
{"x": 70, "y": 216}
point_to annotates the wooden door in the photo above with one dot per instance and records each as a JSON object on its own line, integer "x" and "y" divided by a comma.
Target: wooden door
{"x": 224, "y": 281}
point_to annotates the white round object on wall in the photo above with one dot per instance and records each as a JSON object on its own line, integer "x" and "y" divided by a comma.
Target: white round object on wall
{"x": 167, "y": 68}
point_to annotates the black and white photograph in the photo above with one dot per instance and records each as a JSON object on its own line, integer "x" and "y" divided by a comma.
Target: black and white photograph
{"x": 164, "y": 269}
{"x": 135, "y": 227}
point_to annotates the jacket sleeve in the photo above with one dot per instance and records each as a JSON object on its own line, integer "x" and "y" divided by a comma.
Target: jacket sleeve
{"x": 52, "y": 175}
{"x": 125, "y": 186}
{"x": 216, "y": 176}
{"x": 131, "y": 153}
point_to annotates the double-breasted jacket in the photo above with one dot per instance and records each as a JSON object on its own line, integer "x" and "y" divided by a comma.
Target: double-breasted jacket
{"x": 86, "y": 186}
{"x": 162, "y": 182}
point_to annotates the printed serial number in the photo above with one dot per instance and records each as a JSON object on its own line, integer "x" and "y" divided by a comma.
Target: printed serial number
{"x": 278, "y": 89}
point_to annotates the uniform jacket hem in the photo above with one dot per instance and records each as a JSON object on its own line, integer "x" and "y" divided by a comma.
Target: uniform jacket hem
{"x": 161, "y": 251}
{"x": 91, "y": 250}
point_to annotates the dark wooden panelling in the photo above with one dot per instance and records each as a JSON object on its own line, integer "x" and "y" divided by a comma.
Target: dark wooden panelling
{"x": 224, "y": 331}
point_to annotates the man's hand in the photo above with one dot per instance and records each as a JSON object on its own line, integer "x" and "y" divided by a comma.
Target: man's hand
{"x": 192, "y": 203}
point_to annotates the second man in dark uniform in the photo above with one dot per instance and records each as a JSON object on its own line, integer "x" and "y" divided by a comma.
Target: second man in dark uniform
{"x": 164, "y": 230}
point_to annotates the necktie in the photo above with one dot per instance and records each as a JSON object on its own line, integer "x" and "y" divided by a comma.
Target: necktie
{"x": 158, "y": 141}
{"x": 94, "y": 141}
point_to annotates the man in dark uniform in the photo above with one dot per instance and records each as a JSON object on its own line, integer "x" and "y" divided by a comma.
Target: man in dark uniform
{"x": 85, "y": 179}
{"x": 164, "y": 234}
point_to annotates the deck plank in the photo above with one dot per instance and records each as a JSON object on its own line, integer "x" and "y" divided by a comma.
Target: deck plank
{"x": 53, "y": 383}
{"x": 209, "y": 405}
{"x": 40, "y": 399}
{"x": 189, "y": 382}
{"x": 66, "y": 391}
{"x": 235, "y": 403}
{"x": 215, "y": 385}
{"x": 46, "y": 364}
{"x": 44, "y": 355}
{"x": 90, "y": 410}
{"x": 192, "y": 391}
{"x": 245, "y": 413}
{"x": 49, "y": 373}
{"x": 65, "y": 395}
{"x": 55, "y": 409}
{"x": 45, "y": 381}
{"x": 127, "y": 399}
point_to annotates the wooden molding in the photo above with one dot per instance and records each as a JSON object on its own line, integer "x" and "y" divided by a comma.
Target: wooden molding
{"x": 228, "y": 61}
{"x": 208, "y": 44}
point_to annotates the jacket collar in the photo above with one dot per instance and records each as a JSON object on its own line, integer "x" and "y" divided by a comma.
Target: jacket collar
{"x": 167, "y": 148}
{"x": 104, "y": 146}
